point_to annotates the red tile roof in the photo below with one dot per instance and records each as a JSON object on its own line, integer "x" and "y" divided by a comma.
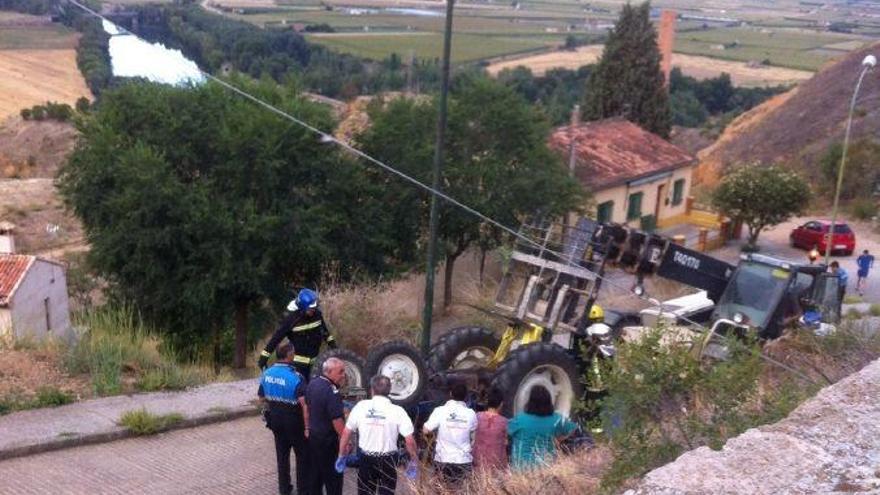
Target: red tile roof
{"x": 615, "y": 151}
{"x": 12, "y": 270}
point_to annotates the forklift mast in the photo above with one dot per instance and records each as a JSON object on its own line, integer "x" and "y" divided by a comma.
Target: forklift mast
{"x": 554, "y": 277}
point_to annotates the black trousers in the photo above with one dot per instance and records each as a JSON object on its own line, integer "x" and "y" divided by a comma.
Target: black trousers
{"x": 324, "y": 451}
{"x": 287, "y": 425}
{"x": 377, "y": 475}
{"x": 453, "y": 474}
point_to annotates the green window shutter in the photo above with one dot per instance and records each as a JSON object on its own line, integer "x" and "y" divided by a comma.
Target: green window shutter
{"x": 605, "y": 212}
{"x": 678, "y": 192}
{"x": 634, "y": 211}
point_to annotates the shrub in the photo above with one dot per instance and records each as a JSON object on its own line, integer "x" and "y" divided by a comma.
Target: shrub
{"x": 26, "y": 113}
{"x": 663, "y": 399}
{"x": 51, "y": 397}
{"x": 863, "y": 208}
{"x": 115, "y": 342}
{"x": 143, "y": 422}
{"x": 874, "y": 310}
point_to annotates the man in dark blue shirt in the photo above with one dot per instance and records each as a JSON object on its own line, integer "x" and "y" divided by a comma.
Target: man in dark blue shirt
{"x": 326, "y": 422}
{"x": 283, "y": 389}
{"x": 865, "y": 262}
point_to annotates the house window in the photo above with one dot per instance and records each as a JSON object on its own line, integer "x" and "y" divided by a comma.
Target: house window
{"x": 634, "y": 211}
{"x": 48, "y": 318}
{"x": 678, "y": 192}
{"x": 604, "y": 212}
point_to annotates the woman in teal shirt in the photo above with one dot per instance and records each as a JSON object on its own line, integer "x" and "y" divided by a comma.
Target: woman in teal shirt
{"x": 534, "y": 432}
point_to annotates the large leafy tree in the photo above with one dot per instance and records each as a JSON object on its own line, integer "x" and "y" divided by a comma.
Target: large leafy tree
{"x": 497, "y": 162}
{"x": 200, "y": 207}
{"x": 627, "y": 80}
{"x": 761, "y": 196}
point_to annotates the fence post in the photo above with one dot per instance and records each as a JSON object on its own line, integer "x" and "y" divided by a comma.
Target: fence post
{"x": 688, "y": 205}
{"x": 701, "y": 242}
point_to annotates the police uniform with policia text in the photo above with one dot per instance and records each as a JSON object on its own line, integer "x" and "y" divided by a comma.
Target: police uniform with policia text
{"x": 284, "y": 390}
{"x": 304, "y": 327}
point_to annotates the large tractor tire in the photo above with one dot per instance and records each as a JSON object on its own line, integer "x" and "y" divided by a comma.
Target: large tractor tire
{"x": 463, "y": 348}
{"x": 539, "y": 364}
{"x": 354, "y": 368}
{"x": 404, "y": 365}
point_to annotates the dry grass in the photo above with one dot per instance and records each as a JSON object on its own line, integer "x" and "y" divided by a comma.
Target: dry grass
{"x": 692, "y": 65}
{"x": 577, "y": 473}
{"x": 31, "y": 77}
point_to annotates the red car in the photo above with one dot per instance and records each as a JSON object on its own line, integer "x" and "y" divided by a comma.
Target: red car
{"x": 815, "y": 233}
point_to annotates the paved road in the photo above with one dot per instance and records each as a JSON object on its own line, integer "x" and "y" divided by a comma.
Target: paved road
{"x": 236, "y": 457}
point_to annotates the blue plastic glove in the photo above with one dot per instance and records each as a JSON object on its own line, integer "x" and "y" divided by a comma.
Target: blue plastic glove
{"x": 412, "y": 470}
{"x": 341, "y": 464}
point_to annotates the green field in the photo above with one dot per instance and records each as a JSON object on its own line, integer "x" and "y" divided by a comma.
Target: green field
{"x": 37, "y": 37}
{"x": 796, "y": 49}
{"x": 465, "y": 47}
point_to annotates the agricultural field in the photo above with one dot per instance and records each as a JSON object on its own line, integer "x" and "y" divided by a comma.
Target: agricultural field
{"x": 695, "y": 66}
{"x": 37, "y": 64}
{"x": 465, "y": 47}
{"x": 784, "y": 34}
{"x": 793, "y": 48}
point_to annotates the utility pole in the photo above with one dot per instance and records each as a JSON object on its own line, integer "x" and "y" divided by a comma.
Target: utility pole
{"x": 428, "y": 312}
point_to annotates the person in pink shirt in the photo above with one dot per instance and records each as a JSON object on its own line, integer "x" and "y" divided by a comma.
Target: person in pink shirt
{"x": 490, "y": 439}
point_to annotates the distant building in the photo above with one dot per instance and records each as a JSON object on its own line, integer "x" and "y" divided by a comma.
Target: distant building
{"x": 33, "y": 298}
{"x": 636, "y": 177}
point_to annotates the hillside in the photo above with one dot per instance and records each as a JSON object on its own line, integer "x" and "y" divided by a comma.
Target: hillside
{"x": 798, "y": 126}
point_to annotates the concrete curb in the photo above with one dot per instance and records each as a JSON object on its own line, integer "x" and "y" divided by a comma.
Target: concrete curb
{"x": 121, "y": 433}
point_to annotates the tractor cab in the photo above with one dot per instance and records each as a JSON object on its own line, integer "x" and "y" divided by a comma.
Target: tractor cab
{"x": 765, "y": 292}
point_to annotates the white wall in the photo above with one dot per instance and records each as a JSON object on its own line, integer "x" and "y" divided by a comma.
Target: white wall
{"x": 5, "y": 325}
{"x": 43, "y": 281}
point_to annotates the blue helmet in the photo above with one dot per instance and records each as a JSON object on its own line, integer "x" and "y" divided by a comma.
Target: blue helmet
{"x": 306, "y": 299}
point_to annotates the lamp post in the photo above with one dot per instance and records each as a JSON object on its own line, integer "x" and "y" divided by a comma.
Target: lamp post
{"x": 867, "y": 64}
{"x": 427, "y": 314}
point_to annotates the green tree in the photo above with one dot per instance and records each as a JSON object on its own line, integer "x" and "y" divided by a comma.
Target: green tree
{"x": 497, "y": 162}
{"x": 200, "y": 208}
{"x": 627, "y": 80}
{"x": 761, "y": 196}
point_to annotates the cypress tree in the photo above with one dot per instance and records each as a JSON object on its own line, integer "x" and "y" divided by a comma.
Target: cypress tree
{"x": 627, "y": 81}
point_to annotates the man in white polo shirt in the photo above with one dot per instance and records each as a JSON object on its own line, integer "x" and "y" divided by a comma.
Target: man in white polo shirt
{"x": 378, "y": 422}
{"x": 455, "y": 424}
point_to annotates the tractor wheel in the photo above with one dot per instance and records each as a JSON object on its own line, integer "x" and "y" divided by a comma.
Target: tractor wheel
{"x": 539, "y": 364}
{"x": 403, "y": 364}
{"x": 354, "y": 367}
{"x": 463, "y": 348}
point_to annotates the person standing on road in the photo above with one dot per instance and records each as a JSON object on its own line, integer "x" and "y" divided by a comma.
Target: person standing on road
{"x": 842, "y": 279}
{"x": 455, "y": 424}
{"x": 283, "y": 389}
{"x": 326, "y": 423}
{"x": 304, "y": 327}
{"x": 378, "y": 423}
{"x": 865, "y": 262}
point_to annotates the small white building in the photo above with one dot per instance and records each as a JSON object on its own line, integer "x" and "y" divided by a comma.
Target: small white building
{"x": 33, "y": 298}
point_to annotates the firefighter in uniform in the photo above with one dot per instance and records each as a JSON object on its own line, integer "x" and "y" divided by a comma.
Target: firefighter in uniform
{"x": 304, "y": 327}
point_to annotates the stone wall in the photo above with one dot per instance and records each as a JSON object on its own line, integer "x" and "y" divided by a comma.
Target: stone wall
{"x": 831, "y": 443}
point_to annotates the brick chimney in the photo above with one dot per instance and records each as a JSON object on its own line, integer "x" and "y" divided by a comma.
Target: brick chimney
{"x": 7, "y": 241}
{"x": 665, "y": 42}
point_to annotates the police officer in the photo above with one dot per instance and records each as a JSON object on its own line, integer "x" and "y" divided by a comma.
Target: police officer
{"x": 378, "y": 423}
{"x": 304, "y": 327}
{"x": 326, "y": 422}
{"x": 283, "y": 389}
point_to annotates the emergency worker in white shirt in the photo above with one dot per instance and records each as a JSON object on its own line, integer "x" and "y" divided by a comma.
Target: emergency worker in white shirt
{"x": 455, "y": 424}
{"x": 378, "y": 423}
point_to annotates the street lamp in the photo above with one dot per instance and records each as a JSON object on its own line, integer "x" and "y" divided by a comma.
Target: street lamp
{"x": 867, "y": 64}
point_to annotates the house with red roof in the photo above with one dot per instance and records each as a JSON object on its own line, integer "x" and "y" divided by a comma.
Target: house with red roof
{"x": 33, "y": 298}
{"x": 636, "y": 177}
